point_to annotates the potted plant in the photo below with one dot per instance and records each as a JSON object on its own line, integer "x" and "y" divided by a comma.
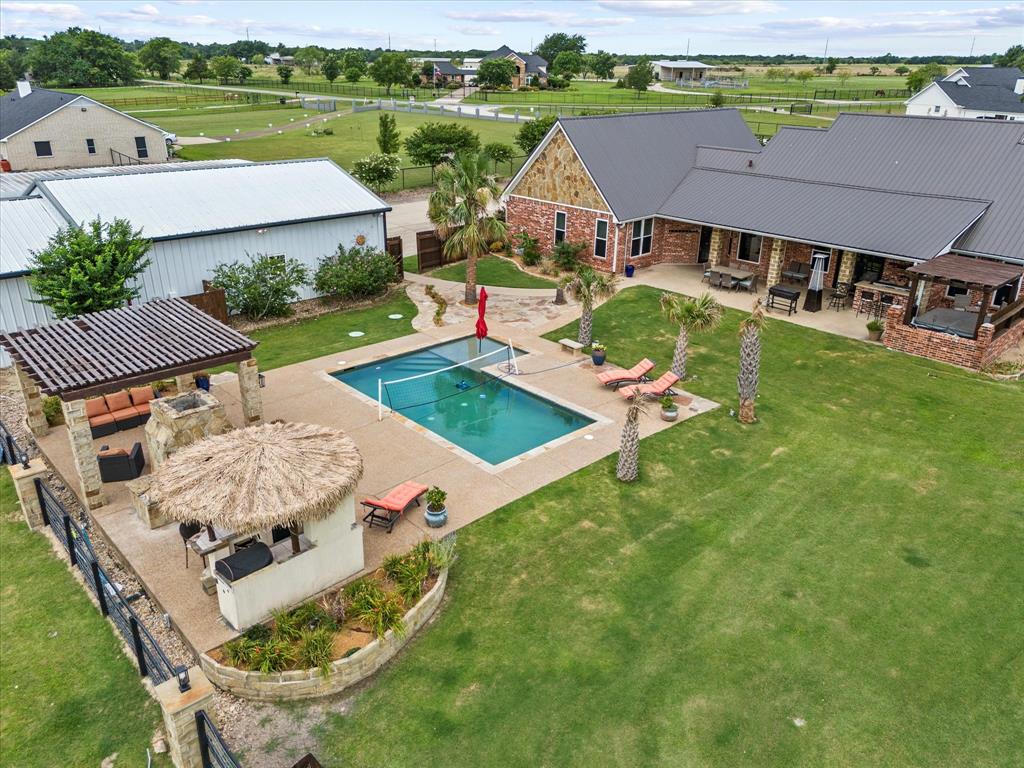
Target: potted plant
{"x": 669, "y": 409}
{"x": 875, "y": 329}
{"x": 202, "y": 380}
{"x": 598, "y": 352}
{"x": 437, "y": 513}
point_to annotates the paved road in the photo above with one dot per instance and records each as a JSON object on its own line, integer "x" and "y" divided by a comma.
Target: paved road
{"x": 406, "y": 219}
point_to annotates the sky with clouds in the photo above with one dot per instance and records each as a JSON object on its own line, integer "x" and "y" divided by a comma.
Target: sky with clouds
{"x": 623, "y": 26}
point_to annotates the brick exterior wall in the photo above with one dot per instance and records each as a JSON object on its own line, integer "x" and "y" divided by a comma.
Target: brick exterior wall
{"x": 947, "y": 348}
{"x": 538, "y": 220}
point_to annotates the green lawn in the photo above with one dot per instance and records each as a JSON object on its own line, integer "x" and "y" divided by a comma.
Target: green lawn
{"x": 411, "y": 263}
{"x": 224, "y": 122}
{"x": 68, "y": 695}
{"x": 852, "y": 562}
{"x": 355, "y": 137}
{"x": 493, "y": 270}
{"x": 328, "y": 334}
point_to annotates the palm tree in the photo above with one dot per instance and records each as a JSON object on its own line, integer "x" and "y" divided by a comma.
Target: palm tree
{"x": 587, "y": 286}
{"x": 750, "y": 361}
{"x": 693, "y": 316}
{"x": 628, "y": 468}
{"x": 460, "y": 209}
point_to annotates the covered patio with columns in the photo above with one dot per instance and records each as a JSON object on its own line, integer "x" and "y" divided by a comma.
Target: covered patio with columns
{"x": 106, "y": 352}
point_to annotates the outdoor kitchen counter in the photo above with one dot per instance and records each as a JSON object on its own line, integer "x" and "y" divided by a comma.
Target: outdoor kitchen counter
{"x": 894, "y": 290}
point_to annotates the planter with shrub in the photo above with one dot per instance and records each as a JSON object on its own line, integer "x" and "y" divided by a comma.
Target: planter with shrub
{"x": 669, "y": 409}
{"x": 875, "y": 328}
{"x": 598, "y": 352}
{"x": 436, "y": 514}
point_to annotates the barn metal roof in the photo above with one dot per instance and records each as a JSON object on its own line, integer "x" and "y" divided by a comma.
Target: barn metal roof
{"x": 185, "y": 202}
{"x": 105, "y": 351}
{"x": 983, "y": 98}
{"x": 27, "y": 226}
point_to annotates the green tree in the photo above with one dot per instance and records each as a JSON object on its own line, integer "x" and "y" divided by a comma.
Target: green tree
{"x": 391, "y": 69}
{"x": 567, "y": 64}
{"x": 309, "y": 58}
{"x": 161, "y": 56}
{"x": 640, "y": 75}
{"x": 225, "y": 68}
{"x": 462, "y": 210}
{"x": 353, "y": 60}
{"x": 750, "y": 361}
{"x": 1014, "y": 57}
{"x": 692, "y": 316}
{"x": 902, "y": 69}
{"x": 925, "y": 75}
{"x": 377, "y": 171}
{"x": 555, "y": 43}
{"x": 495, "y": 73}
{"x": 244, "y": 73}
{"x": 830, "y": 65}
{"x": 804, "y": 76}
{"x": 843, "y": 73}
{"x": 498, "y": 152}
{"x": 331, "y": 68}
{"x": 588, "y": 286}
{"x": 197, "y": 68}
{"x": 627, "y": 468}
{"x": 353, "y": 74}
{"x": 8, "y": 69}
{"x": 717, "y": 99}
{"x": 773, "y": 73}
{"x": 90, "y": 268}
{"x": 531, "y": 133}
{"x": 285, "y": 73}
{"x": 602, "y": 64}
{"x": 387, "y": 134}
{"x": 875, "y": 70}
{"x": 81, "y": 57}
{"x": 264, "y": 286}
{"x": 434, "y": 143}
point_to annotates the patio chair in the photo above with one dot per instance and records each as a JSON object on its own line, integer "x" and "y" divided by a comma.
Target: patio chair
{"x": 101, "y": 420}
{"x": 386, "y": 511}
{"x": 839, "y": 296}
{"x": 141, "y": 397}
{"x": 749, "y": 285}
{"x": 707, "y": 276}
{"x": 188, "y": 531}
{"x": 635, "y": 375}
{"x": 728, "y": 282}
{"x": 121, "y": 465}
{"x": 659, "y": 388}
{"x": 867, "y": 303}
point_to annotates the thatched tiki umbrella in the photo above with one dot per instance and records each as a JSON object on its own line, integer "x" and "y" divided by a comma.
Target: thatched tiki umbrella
{"x": 254, "y": 479}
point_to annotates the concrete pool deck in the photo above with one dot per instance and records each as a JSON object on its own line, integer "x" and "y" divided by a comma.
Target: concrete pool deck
{"x": 394, "y": 450}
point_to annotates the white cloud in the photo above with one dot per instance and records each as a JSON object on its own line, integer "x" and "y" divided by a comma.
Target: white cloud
{"x": 63, "y": 11}
{"x": 690, "y": 7}
{"x": 536, "y": 16}
{"x": 477, "y": 29}
{"x": 146, "y": 10}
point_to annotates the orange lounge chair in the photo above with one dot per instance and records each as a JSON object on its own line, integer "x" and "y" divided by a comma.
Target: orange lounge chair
{"x": 663, "y": 386}
{"x": 635, "y": 375}
{"x": 385, "y": 512}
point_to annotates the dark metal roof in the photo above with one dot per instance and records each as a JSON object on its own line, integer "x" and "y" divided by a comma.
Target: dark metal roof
{"x": 638, "y": 159}
{"x": 1003, "y": 77}
{"x": 534, "y": 64}
{"x": 965, "y": 269}
{"x": 867, "y": 220}
{"x": 986, "y": 98}
{"x": 106, "y": 351}
{"x": 17, "y": 112}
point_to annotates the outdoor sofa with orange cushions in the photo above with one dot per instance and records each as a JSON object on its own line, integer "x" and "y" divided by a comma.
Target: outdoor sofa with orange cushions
{"x": 662, "y": 386}
{"x": 118, "y": 410}
{"x": 386, "y": 511}
{"x": 635, "y": 375}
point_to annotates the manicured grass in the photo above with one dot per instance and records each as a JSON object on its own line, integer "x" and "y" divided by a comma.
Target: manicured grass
{"x": 327, "y": 334}
{"x": 224, "y": 121}
{"x": 411, "y": 263}
{"x": 493, "y": 270}
{"x": 69, "y": 694}
{"x": 851, "y": 562}
{"x": 355, "y": 137}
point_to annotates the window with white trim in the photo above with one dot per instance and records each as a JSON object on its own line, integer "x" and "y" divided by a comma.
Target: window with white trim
{"x": 642, "y": 236}
{"x": 140, "y": 147}
{"x": 559, "y": 226}
{"x": 937, "y": 108}
{"x": 90, "y": 146}
{"x": 43, "y": 149}
{"x": 750, "y": 248}
{"x": 822, "y": 253}
{"x": 953, "y": 290}
{"x": 601, "y": 239}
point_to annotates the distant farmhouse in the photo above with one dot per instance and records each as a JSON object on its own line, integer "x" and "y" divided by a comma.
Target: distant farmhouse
{"x": 988, "y": 93}
{"x": 277, "y": 58}
{"x": 528, "y": 67}
{"x": 681, "y": 72}
{"x": 42, "y": 129}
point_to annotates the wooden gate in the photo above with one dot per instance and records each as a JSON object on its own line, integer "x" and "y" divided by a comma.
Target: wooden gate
{"x": 211, "y": 301}
{"x": 393, "y": 246}
{"x": 429, "y": 250}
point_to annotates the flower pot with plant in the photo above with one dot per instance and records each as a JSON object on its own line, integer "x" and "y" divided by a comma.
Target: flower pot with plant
{"x": 875, "y": 329}
{"x": 437, "y": 513}
{"x": 202, "y": 380}
{"x": 598, "y": 352}
{"x": 669, "y": 409}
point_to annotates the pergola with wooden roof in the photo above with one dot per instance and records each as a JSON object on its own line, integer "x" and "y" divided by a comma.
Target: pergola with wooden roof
{"x": 981, "y": 275}
{"x": 107, "y": 351}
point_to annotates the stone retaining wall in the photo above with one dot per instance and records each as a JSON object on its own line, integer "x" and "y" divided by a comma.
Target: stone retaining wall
{"x": 308, "y": 683}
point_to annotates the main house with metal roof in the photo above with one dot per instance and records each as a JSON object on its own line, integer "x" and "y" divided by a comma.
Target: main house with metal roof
{"x": 42, "y": 129}
{"x": 198, "y": 215}
{"x": 864, "y": 200}
{"x": 988, "y": 93}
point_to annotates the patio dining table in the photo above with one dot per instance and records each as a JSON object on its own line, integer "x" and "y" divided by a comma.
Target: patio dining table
{"x": 739, "y": 274}
{"x": 202, "y": 544}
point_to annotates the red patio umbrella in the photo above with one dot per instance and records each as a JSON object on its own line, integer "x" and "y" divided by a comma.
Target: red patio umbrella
{"x": 481, "y": 308}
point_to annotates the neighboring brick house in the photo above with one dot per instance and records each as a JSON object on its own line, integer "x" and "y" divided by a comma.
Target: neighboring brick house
{"x": 865, "y": 199}
{"x": 528, "y": 65}
{"x": 42, "y": 129}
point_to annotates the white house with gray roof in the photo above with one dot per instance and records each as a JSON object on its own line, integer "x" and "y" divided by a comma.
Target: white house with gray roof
{"x": 987, "y": 93}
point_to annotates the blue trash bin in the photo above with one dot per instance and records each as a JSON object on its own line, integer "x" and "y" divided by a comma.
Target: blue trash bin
{"x": 629, "y": 270}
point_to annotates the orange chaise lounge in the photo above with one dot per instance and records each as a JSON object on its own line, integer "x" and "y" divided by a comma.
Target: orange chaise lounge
{"x": 386, "y": 511}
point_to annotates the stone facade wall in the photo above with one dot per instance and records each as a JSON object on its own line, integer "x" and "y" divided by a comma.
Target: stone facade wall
{"x": 308, "y": 683}
{"x": 947, "y": 348}
{"x": 558, "y": 175}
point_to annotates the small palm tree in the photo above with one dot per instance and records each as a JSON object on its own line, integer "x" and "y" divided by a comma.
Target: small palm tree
{"x": 628, "y": 468}
{"x": 750, "y": 361}
{"x": 588, "y": 286}
{"x": 461, "y": 208}
{"x": 693, "y": 316}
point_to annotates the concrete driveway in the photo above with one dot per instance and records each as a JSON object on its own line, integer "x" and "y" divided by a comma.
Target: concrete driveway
{"x": 406, "y": 219}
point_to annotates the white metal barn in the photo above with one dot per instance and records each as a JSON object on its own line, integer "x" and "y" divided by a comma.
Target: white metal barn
{"x": 197, "y": 215}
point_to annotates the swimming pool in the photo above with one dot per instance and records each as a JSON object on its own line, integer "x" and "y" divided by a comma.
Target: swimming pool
{"x": 483, "y": 414}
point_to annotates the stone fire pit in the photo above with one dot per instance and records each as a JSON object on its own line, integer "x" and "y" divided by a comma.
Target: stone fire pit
{"x": 182, "y": 420}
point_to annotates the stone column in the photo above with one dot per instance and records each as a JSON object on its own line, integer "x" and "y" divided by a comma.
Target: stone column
{"x": 775, "y": 262}
{"x": 185, "y": 383}
{"x": 25, "y": 487}
{"x": 33, "y": 403}
{"x": 716, "y": 247}
{"x": 846, "y": 266}
{"x": 179, "y": 711}
{"x": 85, "y": 455}
{"x": 249, "y": 389}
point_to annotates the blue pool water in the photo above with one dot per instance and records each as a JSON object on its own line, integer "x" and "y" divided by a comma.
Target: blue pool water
{"x": 483, "y": 414}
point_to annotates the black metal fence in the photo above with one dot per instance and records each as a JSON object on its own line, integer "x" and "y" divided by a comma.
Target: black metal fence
{"x": 149, "y": 656}
{"x": 212, "y": 747}
{"x": 10, "y": 450}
